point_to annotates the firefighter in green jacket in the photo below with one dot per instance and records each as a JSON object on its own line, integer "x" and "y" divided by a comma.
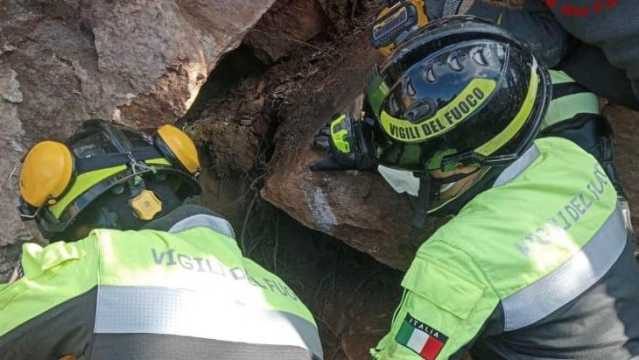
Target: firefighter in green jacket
{"x": 169, "y": 283}
{"x": 538, "y": 261}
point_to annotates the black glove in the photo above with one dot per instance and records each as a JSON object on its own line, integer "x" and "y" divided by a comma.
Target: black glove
{"x": 348, "y": 144}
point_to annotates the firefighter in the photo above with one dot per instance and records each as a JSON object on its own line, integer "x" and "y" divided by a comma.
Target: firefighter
{"x": 601, "y": 55}
{"x": 537, "y": 262}
{"x": 132, "y": 272}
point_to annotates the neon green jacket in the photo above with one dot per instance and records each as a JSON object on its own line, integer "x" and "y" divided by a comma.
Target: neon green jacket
{"x": 538, "y": 240}
{"x": 189, "y": 294}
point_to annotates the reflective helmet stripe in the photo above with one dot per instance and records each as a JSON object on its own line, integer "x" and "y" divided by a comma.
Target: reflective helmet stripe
{"x": 518, "y": 122}
{"x": 567, "y": 104}
{"x": 83, "y": 183}
{"x": 474, "y": 95}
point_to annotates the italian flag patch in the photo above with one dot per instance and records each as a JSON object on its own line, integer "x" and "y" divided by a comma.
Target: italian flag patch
{"x": 421, "y": 338}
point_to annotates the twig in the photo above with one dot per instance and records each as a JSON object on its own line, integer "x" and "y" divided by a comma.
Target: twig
{"x": 254, "y": 244}
{"x": 348, "y": 307}
{"x": 246, "y": 219}
{"x": 353, "y": 9}
{"x": 251, "y": 187}
{"x": 277, "y": 242}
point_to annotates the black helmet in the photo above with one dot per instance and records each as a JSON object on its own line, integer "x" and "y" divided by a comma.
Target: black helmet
{"x": 106, "y": 176}
{"x": 461, "y": 91}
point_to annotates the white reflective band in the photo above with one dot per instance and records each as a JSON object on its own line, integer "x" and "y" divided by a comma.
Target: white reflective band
{"x": 214, "y": 223}
{"x": 518, "y": 166}
{"x": 401, "y": 181}
{"x": 166, "y": 311}
{"x": 570, "y": 280}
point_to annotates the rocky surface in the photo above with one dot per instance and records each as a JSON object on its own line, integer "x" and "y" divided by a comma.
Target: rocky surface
{"x": 142, "y": 62}
{"x": 360, "y": 208}
{"x": 139, "y": 62}
{"x": 288, "y": 25}
{"x": 351, "y": 296}
{"x": 625, "y": 124}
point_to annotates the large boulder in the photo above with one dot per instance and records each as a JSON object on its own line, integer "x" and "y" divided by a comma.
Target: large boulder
{"x": 288, "y": 25}
{"x": 624, "y": 123}
{"x": 359, "y": 208}
{"x": 138, "y": 62}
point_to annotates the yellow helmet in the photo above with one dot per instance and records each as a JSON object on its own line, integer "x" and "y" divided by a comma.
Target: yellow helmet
{"x": 131, "y": 176}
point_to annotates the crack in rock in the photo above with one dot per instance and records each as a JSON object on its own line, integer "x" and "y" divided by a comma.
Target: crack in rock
{"x": 9, "y": 86}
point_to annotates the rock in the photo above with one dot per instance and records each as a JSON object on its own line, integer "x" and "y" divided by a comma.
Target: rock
{"x": 138, "y": 62}
{"x": 356, "y": 207}
{"x": 351, "y": 296}
{"x": 233, "y": 147}
{"x": 624, "y": 123}
{"x": 360, "y": 208}
{"x": 286, "y": 26}
{"x": 232, "y": 127}
{"x": 341, "y": 13}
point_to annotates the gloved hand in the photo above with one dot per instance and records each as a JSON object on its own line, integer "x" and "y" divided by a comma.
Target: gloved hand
{"x": 348, "y": 144}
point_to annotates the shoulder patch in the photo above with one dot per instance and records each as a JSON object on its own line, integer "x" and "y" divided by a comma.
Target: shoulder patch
{"x": 424, "y": 340}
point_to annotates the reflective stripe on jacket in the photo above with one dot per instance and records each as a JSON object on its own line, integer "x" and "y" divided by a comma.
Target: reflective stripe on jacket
{"x": 151, "y": 295}
{"x": 540, "y": 247}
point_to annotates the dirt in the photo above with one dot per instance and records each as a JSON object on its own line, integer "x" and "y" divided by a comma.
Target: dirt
{"x": 245, "y": 109}
{"x": 624, "y": 123}
{"x": 351, "y": 295}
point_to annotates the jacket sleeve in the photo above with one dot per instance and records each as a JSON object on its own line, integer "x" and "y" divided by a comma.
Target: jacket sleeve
{"x": 611, "y": 26}
{"x": 533, "y": 25}
{"x": 445, "y": 306}
{"x": 49, "y": 312}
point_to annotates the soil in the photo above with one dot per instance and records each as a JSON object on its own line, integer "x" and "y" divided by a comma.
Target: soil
{"x": 243, "y": 110}
{"x": 351, "y": 295}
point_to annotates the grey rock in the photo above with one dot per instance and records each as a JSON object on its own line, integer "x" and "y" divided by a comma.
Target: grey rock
{"x": 137, "y": 62}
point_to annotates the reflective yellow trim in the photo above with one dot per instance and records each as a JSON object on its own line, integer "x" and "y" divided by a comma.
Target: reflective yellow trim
{"x": 377, "y": 91}
{"x": 339, "y": 135}
{"x": 565, "y": 108}
{"x": 83, "y": 183}
{"x": 560, "y": 77}
{"x": 46, "y": 172}
{"x": 158, "y": 161}
{"x": 474, "y": 95}
{"x": 518, "y": 122}
{"x": 52, "y": 276}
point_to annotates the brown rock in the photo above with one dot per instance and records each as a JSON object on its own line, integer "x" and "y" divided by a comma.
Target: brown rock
{"x": 341, "y": 13}
{"x": 624, "y": 123}
{"x": 358, "y": 208}
{"x": 355, "y": 207}
{"x": 139, "y": 62}
{"x": 233, "y": 146}
{"x": 286, "y": 26}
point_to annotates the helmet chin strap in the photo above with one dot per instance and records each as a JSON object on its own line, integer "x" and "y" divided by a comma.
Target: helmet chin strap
{"x": 429, "y": 190}
{"x": 424, "y": 197}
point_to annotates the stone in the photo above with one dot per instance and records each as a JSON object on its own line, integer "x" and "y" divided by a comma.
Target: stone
{"x": 624, "y": 124}
{"x": 137, "y": 62}
{"x": 288, "y": 25}
{"x": 359, "y": 208}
